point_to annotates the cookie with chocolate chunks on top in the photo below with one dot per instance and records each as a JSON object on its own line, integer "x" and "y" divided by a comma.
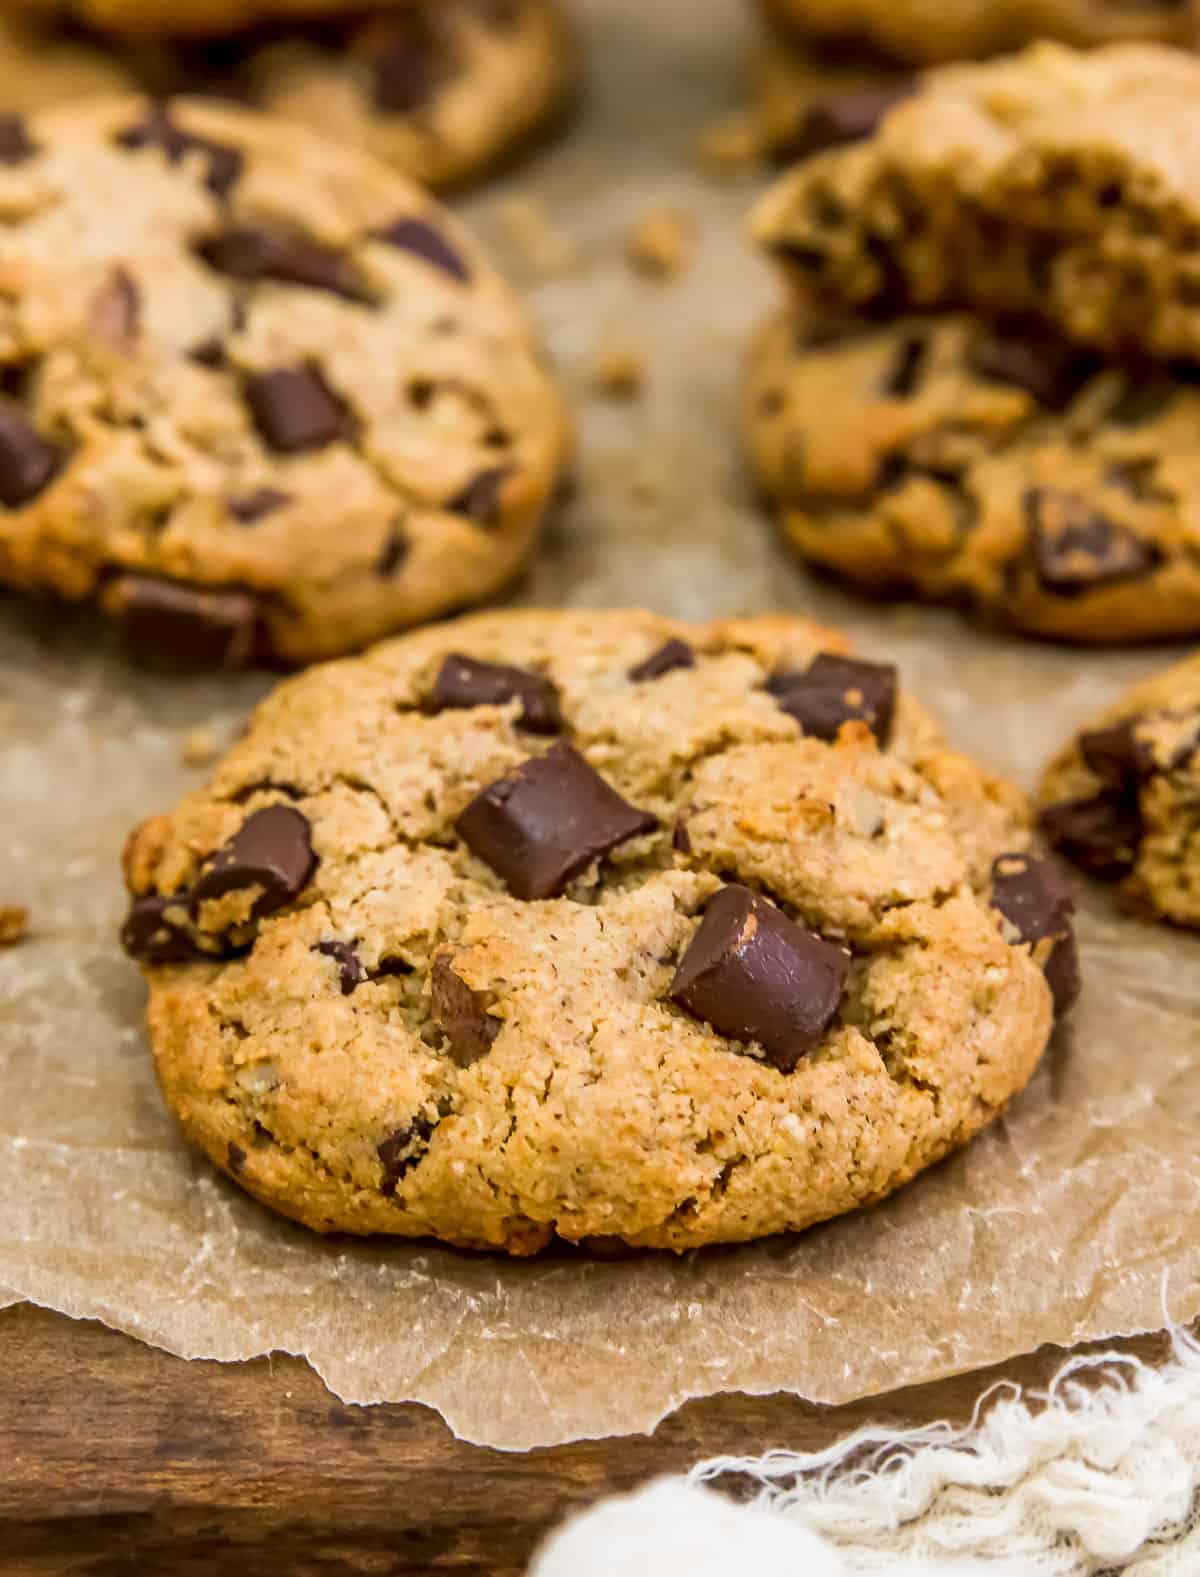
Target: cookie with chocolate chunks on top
{"x": 565, "y": 924}
{"x": 195, "y": 430}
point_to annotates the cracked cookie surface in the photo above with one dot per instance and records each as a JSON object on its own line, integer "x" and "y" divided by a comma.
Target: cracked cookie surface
{"x": 987, "y": 464}
{"x": 262, "y": 397}
{"x": 1053, "y": 183}
{"x": 593, "y": 925}
{"x": 921, "y": 32}
{"x": 1123, "y": 799}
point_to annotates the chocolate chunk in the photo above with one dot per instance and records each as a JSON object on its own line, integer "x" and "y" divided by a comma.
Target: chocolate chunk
{"x": 249, "y": 507}
{"x": 681, "y": 838}
{"x": 236, "y": 1158}
{"x": 407, "y": 71}
{"x": 461, "y": 1014}
{"x": 272, "y": 850}
{"x": 420, "y": 237}
{"x": 395, "y": 551}
{"x": 753, "y": 974}
{"x": 846, "y": 117}
{"x": 905, "y": 372}
{"x": 350, "y": 970}
{"x": 294, "y": 409}
{"x": 837, "y": 690}
{"x": 463, "y": 683}
{"x": 251, "y": 254}
{"x": 148, "y": 935}
{"x": 160, "y": 131}
{"x": 480, "y": 499}
{"x": 1100, "y": 834}
{"x": 669, "y": 656}
{"x": 15, "y": 146}
{"x": 403, "y": 1150}
{"x": 27, "y": 462}
{"x": 545, "y": 822}
{"x": 1038, "y": 901}
{"x": 209, "y": 353}
{"x": 1022, "y": 353}
{"x": 1077, "y": 549}
{"x": 184, "y": 629}
{"x": 1116, "y": 754}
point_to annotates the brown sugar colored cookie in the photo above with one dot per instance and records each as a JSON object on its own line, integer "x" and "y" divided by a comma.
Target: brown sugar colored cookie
{"x": 593, "y": 925}
{"x": 261, "y": 395}
{"x": 1123, "y": 799}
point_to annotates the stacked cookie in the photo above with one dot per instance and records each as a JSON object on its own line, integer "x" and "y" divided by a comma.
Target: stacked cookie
{"x": 986, "y": 388}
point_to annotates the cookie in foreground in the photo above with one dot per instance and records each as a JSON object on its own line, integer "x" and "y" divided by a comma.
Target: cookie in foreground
{"x": 262, "y": 396}
{"x": 1123, "y": 799}
{"x": 597, "y": 926}
{"x": 988, "y": 464}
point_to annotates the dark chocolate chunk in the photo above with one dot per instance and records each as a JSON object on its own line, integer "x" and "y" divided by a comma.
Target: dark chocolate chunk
{"x": 149, "y": 936}
{"x": 753, "y": 974}
{"x": 1100, "y": 834}
{"x": 294, "y": 409}
{"x": 403, "y": 1150}
{"x": 837, "y": 690}
{"x": 845, "y": 117}
{"x": 27, "y": 462}
{"x": 395, "y": 551}
{"x": 905, "y": 372}
{"x": 15, "y": 146}
{"x": 480, "y": 499}
{"x": 1077, "y": 549}
{"x": 670, "y": 655}
{"x": 209, "y": 353}
{"x": 419, "y": 236}
{"x": 462, "y": 683}
{"x": 1116, "y": 754}
{"x": 249, "y": 507}
{"x": 236, "y": 1158}
{"x": 545, "y": 822}
{"x": 253, "y": 254}
{"x": 462, "y": 1014}
{"x": 1038, "y": 901}
{"x": 184, "y": 629}
{"x": 350, "y": 970}
{"x": 681, "y": 838}
{"x": 159, "y": 130}
{"x": 407, "y": 70}
{"x": 272, "y": 850}
{"x": 1023, "y": 353}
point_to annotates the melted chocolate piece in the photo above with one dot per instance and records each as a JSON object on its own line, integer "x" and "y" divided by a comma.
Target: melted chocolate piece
{"x": 403, "y": 1150}
{"x": 755, "y": 975}
{"x": 544, "y": 823}
{"x": 1038, "y": 901}
{"x": 1024, "y": 354}
{"x": 149, "y": 936}
{"x": 350, "y": 970}
{"x": 837, "y": 690}
{"x": 252, "y": 255}
{"x": 1117, "y": 755}
{"x": 28, "y": 464}
{"x": 418, "y": 236}
{"x": 160, "y": 131}
{"x": 182, "y": 629}
{"x": 671, "y": 655}
{"x": 461, "y": 1013}
{"x": 295, "y": 410}
{"x": 463, "y": 683}
{"x": 480, "y": 499}
{"x": 249, "y": 507}
{"x": 1077, "y": 549}
{"x": 1100, "y": 834}
{"x": 272, "y": 850}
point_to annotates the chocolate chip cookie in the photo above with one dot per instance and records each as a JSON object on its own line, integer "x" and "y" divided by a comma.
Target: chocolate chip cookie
{"x": 915, "y": 30}
{"x": 596, "y": 925}
{"x": 806, "y": 95}
{"x": 1123, "y": 800}
{"x": 984, "y": 463}
{"x": 201, "y": 17}
{"x": 1055, "y": 183}
{"x": 259, "y": 396}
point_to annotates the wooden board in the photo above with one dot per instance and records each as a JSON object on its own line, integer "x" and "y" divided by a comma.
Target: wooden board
{"x": 118, "y": 1458}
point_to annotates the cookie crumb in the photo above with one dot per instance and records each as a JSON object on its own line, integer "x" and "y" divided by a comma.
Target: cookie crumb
{"x": 661, "y": 242}
{"x": 731, "y": 145}
{"x": 530, "y": 229}
{"x": 198, "y": 748}
{"x": 14, "y": 924}
{"x": 618, "y": 373}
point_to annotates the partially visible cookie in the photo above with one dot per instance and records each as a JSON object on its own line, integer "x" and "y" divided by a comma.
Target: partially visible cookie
{"x": 168, "y": 18}
{"x": 1054, "y": 183}
{"x": 262, "y": 397}
{"x": 986, "y": 464}
{"x": 597, "y": 925}
{"x": 1123, "y": 799}
{"x": 925, "y": 31}
{"x": 41, "y": 64}
{"x": 806, "y": 97}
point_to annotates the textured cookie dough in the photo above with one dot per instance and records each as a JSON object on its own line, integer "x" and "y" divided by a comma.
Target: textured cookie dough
{"x": 1054, "y": 183}
{"x": 1123, "y": 799}
{"x": 985, "y": 464}
{"x": 200, "y": 17}
{"x": 925, "y": 31}
{"x": 436, "y": 950}
{"x": 261, "y": 397}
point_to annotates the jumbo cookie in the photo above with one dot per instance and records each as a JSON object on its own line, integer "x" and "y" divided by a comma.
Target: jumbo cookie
{"x": 1054, "y": 183}
{"x": 925, "y": 31}
{"x": 1122, "y": 800}
{"x": 262, "y": 397}
{"x": 983, "y": 463}
{"x": 596, "y": 926}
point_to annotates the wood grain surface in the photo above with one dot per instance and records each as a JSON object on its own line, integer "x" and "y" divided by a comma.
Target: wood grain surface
{"x": 119, "y": 1459}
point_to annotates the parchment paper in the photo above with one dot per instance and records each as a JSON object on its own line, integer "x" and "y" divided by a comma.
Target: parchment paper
{"x": 1063, "y": 1223}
